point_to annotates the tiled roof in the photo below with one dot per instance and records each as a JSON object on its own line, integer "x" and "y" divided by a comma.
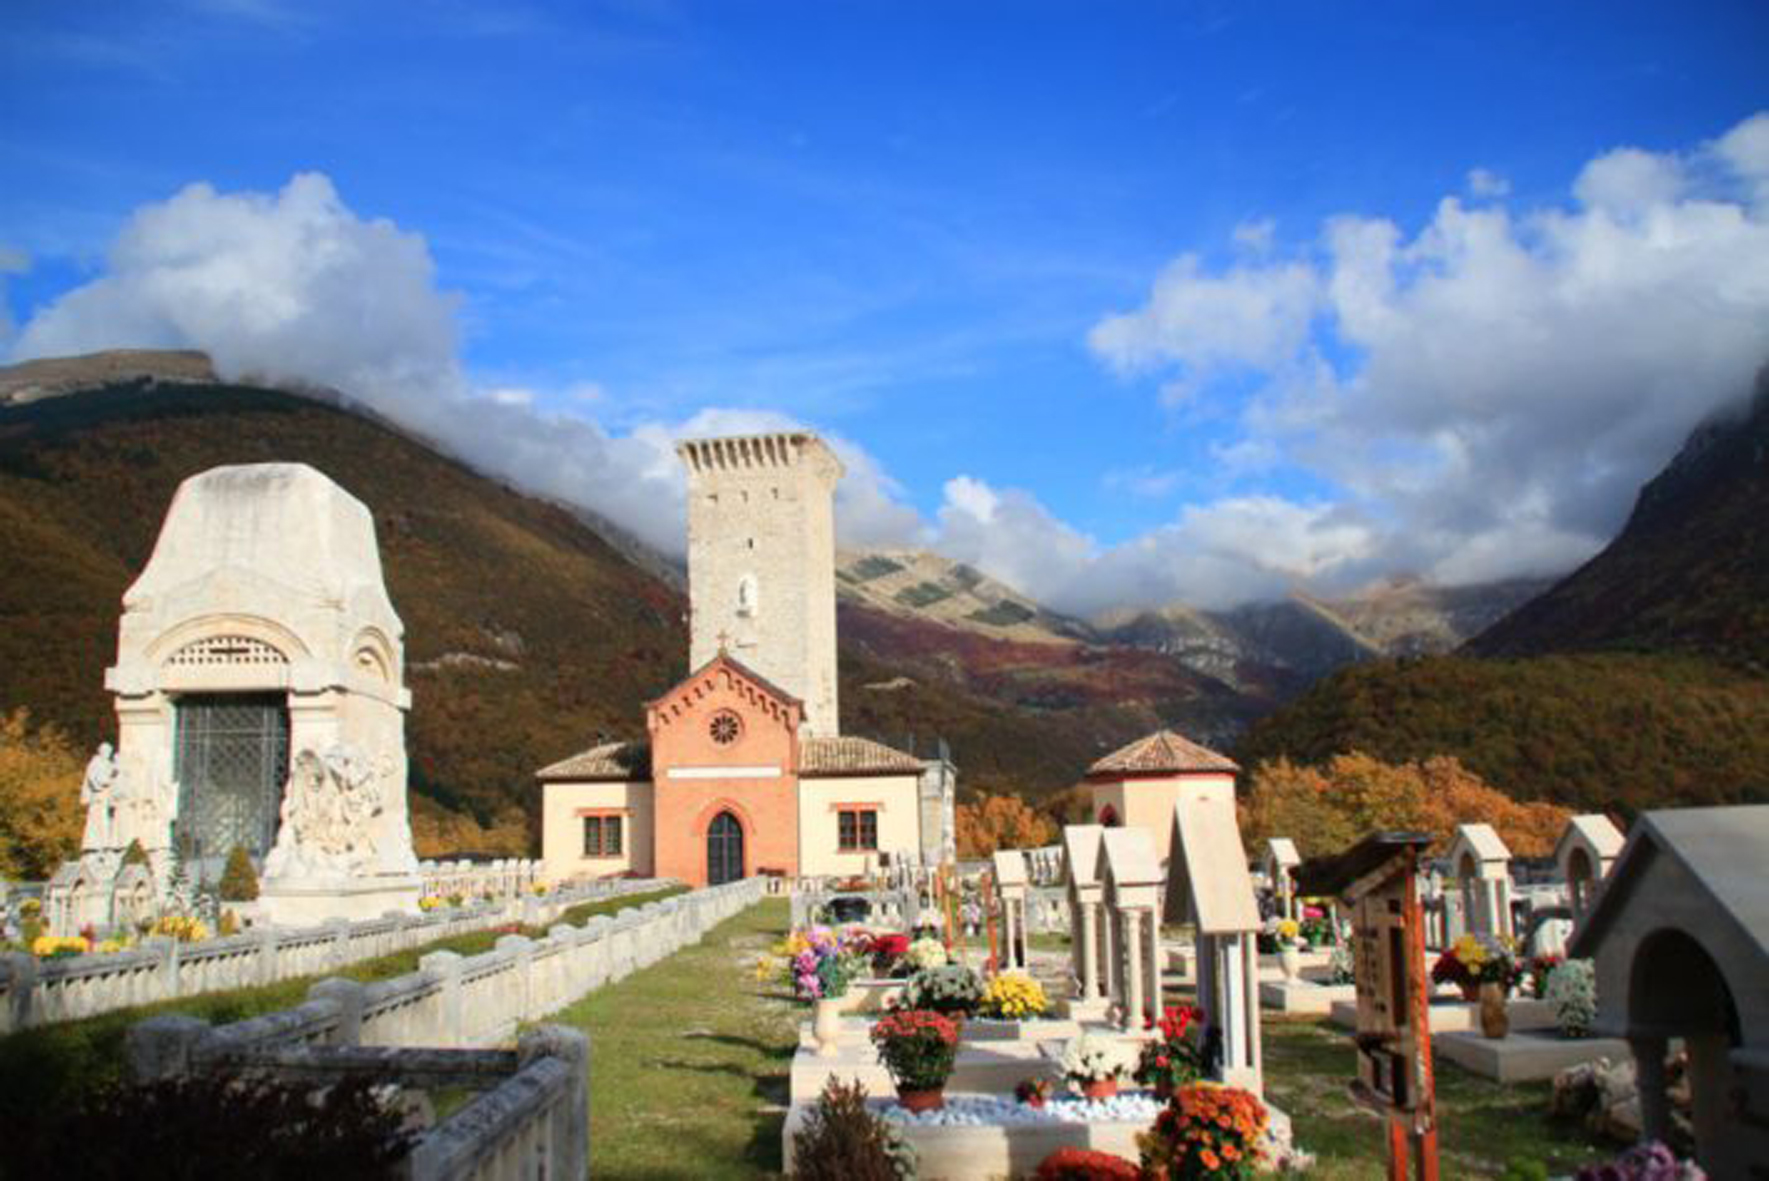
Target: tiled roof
{"x": 620, "y": 761}
{"x": 1162, "y": 752}
{"x": 853, "y": 756}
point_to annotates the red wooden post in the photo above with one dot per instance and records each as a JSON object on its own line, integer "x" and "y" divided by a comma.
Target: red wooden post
{"x": 1424, "y": 1115}
{"x": 988, "y": 904}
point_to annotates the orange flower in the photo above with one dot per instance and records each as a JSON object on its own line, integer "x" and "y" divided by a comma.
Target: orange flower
{"x": 1210, "y": 1159}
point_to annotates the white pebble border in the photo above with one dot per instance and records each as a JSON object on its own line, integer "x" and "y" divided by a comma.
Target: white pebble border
{"x": 1139, "y": 1107}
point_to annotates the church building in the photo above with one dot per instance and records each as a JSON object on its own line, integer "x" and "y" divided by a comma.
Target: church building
{"x": 744, "y": 769}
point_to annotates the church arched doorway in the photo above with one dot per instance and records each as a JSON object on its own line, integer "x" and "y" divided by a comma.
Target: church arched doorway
{"x": 724, "y": 850}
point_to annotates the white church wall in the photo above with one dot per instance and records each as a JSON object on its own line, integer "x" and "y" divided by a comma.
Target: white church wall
{"x": 562, "y": 839}
{"x": 898, "y": 802}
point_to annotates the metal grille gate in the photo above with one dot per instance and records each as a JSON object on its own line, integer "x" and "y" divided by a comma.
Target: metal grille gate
{"x": 724, "y": 850}
{"x": 231, "y": 765}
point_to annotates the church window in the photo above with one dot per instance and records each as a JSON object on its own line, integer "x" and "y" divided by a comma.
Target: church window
{"x": 857, "y": 828}
{"x": 601, "y": 836}
{"x": 725, "y": 727}
{"x": 746, "y": 595}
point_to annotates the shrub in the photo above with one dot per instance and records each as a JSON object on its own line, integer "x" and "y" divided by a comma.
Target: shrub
{"x": 1084, "y": 1164}
{"x": 214, "y": 1126}
{"x": 953, "y": 989}
{"x": 842, "y": 1141}
{"x": 239, "y": 881}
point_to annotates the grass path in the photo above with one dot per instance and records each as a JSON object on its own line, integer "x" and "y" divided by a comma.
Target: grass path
{"x": 689, "y": 1059}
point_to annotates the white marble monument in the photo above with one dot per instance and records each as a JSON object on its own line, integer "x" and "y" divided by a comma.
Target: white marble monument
{"x": 260, "y": 698}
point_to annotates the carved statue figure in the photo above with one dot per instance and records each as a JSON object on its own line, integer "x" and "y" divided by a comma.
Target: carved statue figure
{"x": 99, "y": 791}
{"x": 327, "y": 816}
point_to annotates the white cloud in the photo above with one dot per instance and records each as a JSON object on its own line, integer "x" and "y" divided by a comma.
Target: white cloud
{"x": 1503, "y": 381}
{"x": 295, "y": 287}
{"x": 1483, "y": 182}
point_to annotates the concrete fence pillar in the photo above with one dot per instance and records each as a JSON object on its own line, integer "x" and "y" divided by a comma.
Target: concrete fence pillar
{"x": 568, "y": 1139}
{"x": 448, "y": 1029}
{"x": 520, "y": 949}
{"x": 268, "y": 946}
{"x": 348, "y": 995}
{"x": 340, "y": 936}
{"x": 162, "y": 1047}
{"x": 21, "y": 990}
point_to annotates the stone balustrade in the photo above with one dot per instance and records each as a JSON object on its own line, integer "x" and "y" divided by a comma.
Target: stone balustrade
{"x": 476, "y": 879}
{"x": 34, "y": 992}
{"x": 429, "y": 1028}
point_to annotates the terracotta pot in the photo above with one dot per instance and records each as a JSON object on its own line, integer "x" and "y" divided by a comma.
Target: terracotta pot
{"x": 1494, "y": 1021}
{"x": 931, "y": 1099}
{"x": 1290, "y": 961}
{"x": 826, "y": 1026}
{"x": 1099, "y": 1088}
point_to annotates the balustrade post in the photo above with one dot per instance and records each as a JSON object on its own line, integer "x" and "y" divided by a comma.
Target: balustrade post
{"x": 446, "y": 967}
{"x": 568, "y": 1147}
{"x": 162, "y": 1047}
{"x": 348, "y": 995}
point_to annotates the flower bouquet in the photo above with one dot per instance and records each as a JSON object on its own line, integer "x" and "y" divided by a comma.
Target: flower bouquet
{"x": 1174, "y": 1059}
{"x": 59, "y": 947}
{"x": 918, "y": 1048}
{"x": 1033, "y": 1092}
{"x": 1012, "y": 996}
{"x": 885, "y": 953}
{"x": 1208, "y": 1130}
{"x": 925, "y": 952}
{"x": 1572, "y": 992}
{"x": 819, "y": 963}
{"x": 1084, "y": 1164}
{"x": 1474, "y": 960}
{"x": 1093, "y": 1065}
{"x": 1538, "y": 969}
{"x": 954, "y": 990}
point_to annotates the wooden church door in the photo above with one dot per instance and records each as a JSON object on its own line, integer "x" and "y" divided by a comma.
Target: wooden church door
{"x": 724, "y": 850}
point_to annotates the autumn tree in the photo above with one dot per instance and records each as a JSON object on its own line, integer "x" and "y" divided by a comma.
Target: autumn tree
{"x": 1001, "y": 822}
{"x": 1330, "y": 807}
{"x": 40, "y": 814}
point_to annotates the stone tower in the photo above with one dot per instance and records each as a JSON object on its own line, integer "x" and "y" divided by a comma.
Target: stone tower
{"x": 761, "y": 562}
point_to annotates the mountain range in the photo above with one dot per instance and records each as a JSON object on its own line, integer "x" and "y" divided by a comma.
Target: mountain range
{"x": 532, "y": 628}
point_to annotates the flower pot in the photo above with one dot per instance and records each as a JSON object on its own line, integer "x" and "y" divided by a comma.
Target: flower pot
{"x": 1494, "y": 1022}
{"x": 1099, "y": 1088}
{"x": 929, "y": 1099}
{"x": 826, "y": 1026}
{"x": 1290, "y": 961}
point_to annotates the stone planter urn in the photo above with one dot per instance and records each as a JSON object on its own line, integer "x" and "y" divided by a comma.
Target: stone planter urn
{"x": 1494, "y": 1021}
{"x": 922, "y": 1099}
{"x": 1290, "y": 961}
{"x": 826, "y": 1025}
{"x": 1099, "y": 1088}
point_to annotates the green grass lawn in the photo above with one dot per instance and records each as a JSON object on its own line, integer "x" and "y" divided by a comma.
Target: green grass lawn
{"x": 689, "y": 1059}
{"x": 1483, "y": 1125}
{"x": 689, "y": 1062}
{"x": 49, "y": 1065}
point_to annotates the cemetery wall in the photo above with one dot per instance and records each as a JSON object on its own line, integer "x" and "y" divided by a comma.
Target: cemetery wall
{"x": 34, "y": 992}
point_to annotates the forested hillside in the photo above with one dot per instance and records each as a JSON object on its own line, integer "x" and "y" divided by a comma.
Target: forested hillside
{"x": 1640, "y": 680}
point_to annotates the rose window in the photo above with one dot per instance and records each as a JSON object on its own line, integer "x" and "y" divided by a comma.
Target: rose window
{"x": 725, "y": 727}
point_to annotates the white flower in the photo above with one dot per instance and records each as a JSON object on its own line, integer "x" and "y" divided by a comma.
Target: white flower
{"x": 926, "y": 953}
{"x": 1089, "y": 1059}
{"x": 1572, "y": 992}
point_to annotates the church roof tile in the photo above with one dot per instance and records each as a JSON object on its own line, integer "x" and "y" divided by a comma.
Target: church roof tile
{"x": 1162, "y": 752}
{"x": 846, "y": 755}
{"x": 618, "y": 761}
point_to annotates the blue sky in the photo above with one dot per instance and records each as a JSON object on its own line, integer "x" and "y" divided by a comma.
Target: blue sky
{"x": 1085, "y": 290}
